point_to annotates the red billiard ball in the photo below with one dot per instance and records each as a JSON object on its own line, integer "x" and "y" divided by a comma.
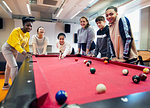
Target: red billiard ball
{"x": 76, "y": 59}
{"x": 143, "y": 76}
{"x": 136, "y": 79}
{"x": 105, "y": 61}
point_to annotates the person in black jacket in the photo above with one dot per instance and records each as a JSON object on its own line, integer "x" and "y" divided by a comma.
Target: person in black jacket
{"x": 103, "y": 38}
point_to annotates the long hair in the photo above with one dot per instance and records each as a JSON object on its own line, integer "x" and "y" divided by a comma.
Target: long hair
{"x": 86, "y": 20}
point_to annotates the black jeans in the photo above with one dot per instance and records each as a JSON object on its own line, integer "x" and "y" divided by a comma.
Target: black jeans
{"x": 73, "y": 52}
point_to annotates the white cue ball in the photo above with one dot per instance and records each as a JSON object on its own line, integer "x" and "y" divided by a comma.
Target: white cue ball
{"x": 125, "y": 72}
{"x": 100, "y": 88}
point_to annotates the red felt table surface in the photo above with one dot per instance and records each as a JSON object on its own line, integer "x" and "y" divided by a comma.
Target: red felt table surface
{"x": 52, "y": 75}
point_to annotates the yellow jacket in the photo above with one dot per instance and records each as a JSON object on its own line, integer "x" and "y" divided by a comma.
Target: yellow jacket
{"x": 19, "y": 40}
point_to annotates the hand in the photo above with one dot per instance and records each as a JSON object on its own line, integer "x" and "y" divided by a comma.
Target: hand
{"x": 60, "y": 54}
{"x": 43, "y": 54}
{"x": 29, "y": 54}
{"x": 119, "y": 60}
{"x": 24, "y": 53}
{"x": 93, "y": 55}
{"x": 114, "y": 59}
{"x": 87, "y": 51}
{"x": 35, "y": 54}
{"x": 88, "y": 55}
{"x": 122, "y": 60}
{"x": 62, "y": 57}
{"x": 104, "y": 58}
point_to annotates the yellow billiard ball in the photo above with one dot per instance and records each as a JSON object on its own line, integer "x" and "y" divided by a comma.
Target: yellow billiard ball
{"x": 146, "y": 70}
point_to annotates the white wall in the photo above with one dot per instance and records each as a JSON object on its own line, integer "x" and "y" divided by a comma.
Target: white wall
{"x": 8, "y": 25}
{"x": 51, "y": 32}
{"x": 135, "y": 25}
{"x": 145, "y": 27}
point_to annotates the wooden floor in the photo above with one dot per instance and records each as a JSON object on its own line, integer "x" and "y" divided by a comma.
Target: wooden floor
{"x": 145, "y": 55}
{"x": 3, "y": 93}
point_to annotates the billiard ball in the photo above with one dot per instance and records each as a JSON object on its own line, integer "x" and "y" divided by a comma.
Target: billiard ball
{"x": 61, "y": 97}
{"x": 105, "y": 61}
{"x": 146, "y": 70}
{"x": 136, "y": 79}
{"x": 143, "y": 76}
{"x": 85, "y": 61}
{"x": 90, "y": 61}
{"x": 100, "y": 88}
{"x": 125, "y": 72}
{"x": 92, "y": 70}
{"x": 87, "y": 64}
{"x": 76, "y": 59}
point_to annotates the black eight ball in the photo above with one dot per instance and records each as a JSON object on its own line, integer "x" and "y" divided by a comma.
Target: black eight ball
{"x": 136, "y": 79}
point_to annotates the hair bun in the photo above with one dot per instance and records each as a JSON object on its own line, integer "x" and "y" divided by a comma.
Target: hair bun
{"x": 60, "y": 34}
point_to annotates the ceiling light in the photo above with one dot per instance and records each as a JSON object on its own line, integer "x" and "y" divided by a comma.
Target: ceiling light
{"x": 92, "y": 1}
{"x": 7, "y": 6}
{"x": 75, "y": 14}
{"x": 59, "y": 12}
{"x": 28, "y": 7}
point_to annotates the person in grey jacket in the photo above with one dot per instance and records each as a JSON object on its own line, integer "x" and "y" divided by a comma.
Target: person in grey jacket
{"x": 86, "y": 37}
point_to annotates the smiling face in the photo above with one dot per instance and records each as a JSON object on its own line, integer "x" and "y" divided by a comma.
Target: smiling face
{"x": 41, "y": 32}
{"x": 61, "y": 39}
{"x": 111, "y": 15}
{"x": 83, "y": 22}
{"x": 27, "y": 26}
{"x": 100, "y": 24}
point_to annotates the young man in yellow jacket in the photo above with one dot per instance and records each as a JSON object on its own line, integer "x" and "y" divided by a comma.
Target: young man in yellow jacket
{"x": 18, "y": 41}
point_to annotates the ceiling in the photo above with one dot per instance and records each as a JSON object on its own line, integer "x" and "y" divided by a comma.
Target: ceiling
{"x": 47, "y": 10}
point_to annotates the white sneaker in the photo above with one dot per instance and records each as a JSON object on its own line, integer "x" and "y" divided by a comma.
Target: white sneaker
{"x": 6, "y": 87}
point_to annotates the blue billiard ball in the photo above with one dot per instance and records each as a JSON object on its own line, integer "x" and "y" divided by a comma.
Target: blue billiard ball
{"x": 61, "y": 97}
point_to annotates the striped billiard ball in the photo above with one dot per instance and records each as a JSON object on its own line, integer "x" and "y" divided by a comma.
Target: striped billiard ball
{"x": 87, "y": 64}
{"x": 125, "y": 72}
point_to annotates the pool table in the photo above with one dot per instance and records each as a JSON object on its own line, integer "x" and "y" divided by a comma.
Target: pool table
{"x": 40, "y": 77}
